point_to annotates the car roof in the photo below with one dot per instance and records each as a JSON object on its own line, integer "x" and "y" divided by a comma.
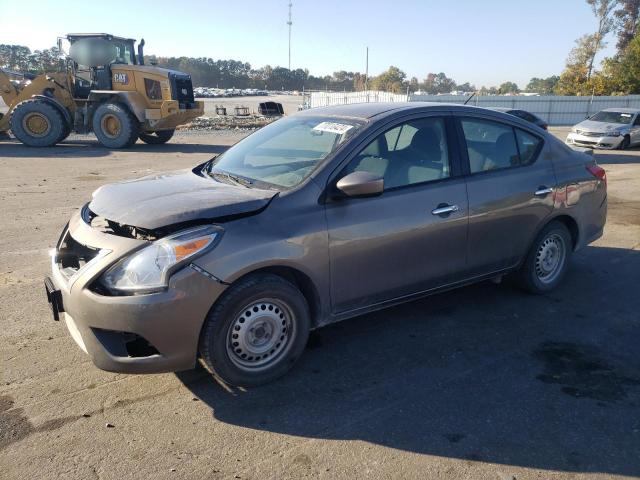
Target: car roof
{"x": 369, "y": 110}
{"x": 621, "y": 110}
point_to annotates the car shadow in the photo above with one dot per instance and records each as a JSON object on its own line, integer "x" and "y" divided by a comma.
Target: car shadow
{"x": 91, "y": 148}
{"x": 484, "y": 373}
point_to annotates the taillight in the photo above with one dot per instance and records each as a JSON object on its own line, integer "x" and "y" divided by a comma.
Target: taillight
{"x": 598, "y": 172}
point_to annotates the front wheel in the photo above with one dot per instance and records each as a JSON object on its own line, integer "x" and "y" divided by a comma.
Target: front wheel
{"x": 157, "y": 138}
{"x": 626, "y": 143}
{"x": 548, "y": 260}
{"x": 115, "y": 126}
{"x": 256, "y": 331}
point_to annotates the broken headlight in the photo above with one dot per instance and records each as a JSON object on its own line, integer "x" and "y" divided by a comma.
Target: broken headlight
{"x": 147, "y": 270}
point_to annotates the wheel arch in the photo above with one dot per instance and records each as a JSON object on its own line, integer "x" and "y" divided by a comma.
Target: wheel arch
{"x": 571, "y": 224}
{"x": 300, "y": 280}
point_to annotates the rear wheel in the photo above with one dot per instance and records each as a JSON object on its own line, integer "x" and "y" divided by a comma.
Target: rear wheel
{"x": 157, "y": 138}
{"x": 37, "y": 123}
{"x": 115, "y": 126}
{"x": 256, "y": 331}
{"x": 548, "y": 260}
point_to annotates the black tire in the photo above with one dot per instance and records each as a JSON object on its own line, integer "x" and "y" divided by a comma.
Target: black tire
{"x": 37, "y": 123}
{"x": 124, "y": 126}
{"x": 157, "y": 138}
{"x": 258, "y": 295}
{"x": 626, "y": 143}
{"x": 540, "y": 272}
{"x": 65, "y": 133}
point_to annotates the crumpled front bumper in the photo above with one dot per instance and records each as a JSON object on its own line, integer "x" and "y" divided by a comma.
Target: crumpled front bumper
{"x": 604, "y": 142}
{"x": 166, "y": 324}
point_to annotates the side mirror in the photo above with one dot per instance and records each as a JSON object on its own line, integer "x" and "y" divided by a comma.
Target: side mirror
{"x": 361, "y": 184}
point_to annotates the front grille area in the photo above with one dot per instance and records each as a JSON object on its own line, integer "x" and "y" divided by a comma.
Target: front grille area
{"x": 181, "y": 89}
{"x": 591, "y": 134}
{"x": 71, "y": 256}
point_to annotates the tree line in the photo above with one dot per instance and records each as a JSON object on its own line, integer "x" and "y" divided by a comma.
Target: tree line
{"x": 208, "y": 72}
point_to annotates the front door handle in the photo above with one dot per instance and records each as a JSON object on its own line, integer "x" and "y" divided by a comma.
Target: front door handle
{"x": 543, "y": 191}
{"x": 444, "y": 209}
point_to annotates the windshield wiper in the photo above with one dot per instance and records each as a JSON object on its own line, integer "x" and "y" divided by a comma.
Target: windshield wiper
{"x": 231, "y": 178}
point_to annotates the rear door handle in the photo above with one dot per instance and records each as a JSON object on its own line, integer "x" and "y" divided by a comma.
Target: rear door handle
{"x": 444, "y": 209}
{"x": 542, "y": 191}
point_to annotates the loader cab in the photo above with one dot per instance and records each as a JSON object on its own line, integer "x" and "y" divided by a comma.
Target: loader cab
{"x": 93, "y": 54}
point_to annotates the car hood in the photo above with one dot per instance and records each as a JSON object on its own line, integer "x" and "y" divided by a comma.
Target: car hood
{"x": 170, "y": 198}
{"x": 591, "y": 126}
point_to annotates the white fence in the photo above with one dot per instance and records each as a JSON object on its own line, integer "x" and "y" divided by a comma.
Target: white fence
{"x": 324, "y": 99}
{"x": 556, "y": 110}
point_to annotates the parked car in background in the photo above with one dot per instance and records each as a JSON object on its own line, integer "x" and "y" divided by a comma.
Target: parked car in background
{"x": 321, "y": 216}
{"x": 610, "y": 128}
{"x": 523, "y": 114}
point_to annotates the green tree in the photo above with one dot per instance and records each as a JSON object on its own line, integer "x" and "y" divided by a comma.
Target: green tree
{"x": 466, "y": 87}
{"x": 390, "y": 81}
{"x": 543, "y": 86}
{"x": 602, "y": 9}
{"x": 508, "y": 87}
{"x": 438, "y": 83}
{"x": 622, "y": 72}
{"x": 626, "y": 22}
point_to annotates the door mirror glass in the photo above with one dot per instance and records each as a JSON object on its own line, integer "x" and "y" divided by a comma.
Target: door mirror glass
{"x": 361, "y": 184}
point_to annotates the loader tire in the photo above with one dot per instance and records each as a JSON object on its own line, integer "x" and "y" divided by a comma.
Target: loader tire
{"x": 37, "y": 123}
{"x": 65, "y": 133}
{"x": 157, "y": 138}
{"x": 115, "y": 126}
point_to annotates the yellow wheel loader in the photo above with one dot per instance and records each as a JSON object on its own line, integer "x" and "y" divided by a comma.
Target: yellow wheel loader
{"x": 107, "y": 89}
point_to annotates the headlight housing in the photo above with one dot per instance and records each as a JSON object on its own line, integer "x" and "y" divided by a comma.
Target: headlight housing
{"x": 152, "y": 88}
{"x": 148, "y": 269}
{"x": 614, "y": 134}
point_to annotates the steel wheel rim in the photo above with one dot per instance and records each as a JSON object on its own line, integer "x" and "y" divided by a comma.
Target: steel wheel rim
{"x": 36, "y": 124}
{"x": 111, "y": 125}
{"x": 550, "y": 258}
{"x": 261, "y": 334}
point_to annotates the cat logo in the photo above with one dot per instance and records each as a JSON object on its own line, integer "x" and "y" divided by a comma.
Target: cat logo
{"x": 121, "y": 78}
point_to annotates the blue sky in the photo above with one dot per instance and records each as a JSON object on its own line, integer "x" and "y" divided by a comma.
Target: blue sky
{"x": 484, "y": 42}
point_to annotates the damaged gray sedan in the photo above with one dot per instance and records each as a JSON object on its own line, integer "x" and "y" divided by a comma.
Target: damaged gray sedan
{"x": 318, "y": 217}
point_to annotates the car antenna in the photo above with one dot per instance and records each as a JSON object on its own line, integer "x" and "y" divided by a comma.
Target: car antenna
{"x": 470, "y": 97}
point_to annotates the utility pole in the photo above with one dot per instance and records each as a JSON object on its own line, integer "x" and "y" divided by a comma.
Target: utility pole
{"x": 290, "y": 23}
{"x": 366, "y": 71}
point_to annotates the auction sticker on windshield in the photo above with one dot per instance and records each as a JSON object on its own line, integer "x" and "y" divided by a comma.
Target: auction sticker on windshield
{"x": 331, "y": 127}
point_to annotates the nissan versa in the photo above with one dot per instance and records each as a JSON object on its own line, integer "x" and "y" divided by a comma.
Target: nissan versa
{"x": 320, "y": 216}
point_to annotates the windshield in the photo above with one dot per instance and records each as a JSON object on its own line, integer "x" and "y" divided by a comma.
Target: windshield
{"x": 124, "y": 52}
{"x": 612, "y": 117}
{"x": 284, "y": 153}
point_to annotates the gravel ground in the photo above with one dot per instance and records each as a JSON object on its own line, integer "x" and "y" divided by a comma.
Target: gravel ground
{"x": 482, "y": 382}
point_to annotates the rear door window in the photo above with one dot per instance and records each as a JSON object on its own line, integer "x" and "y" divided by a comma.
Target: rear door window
{"x": 528, "y": 146}
{"x": 496, "y": 146}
